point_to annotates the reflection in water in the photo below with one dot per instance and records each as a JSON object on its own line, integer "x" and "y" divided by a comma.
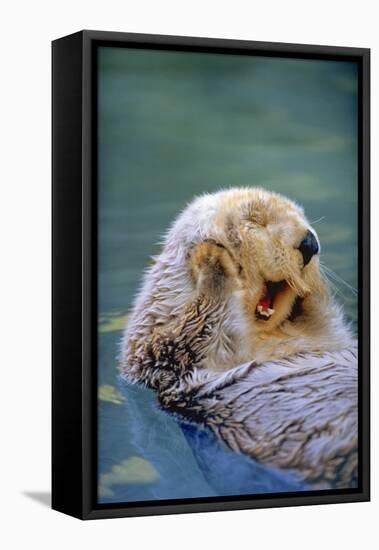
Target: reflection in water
{"x": 173, "y": 125}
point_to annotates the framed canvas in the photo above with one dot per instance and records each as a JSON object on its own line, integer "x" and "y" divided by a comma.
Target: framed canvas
{"x": 210, "y": 275}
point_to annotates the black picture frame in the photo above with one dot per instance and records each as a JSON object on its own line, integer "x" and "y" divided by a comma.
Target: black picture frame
{"x": 74, "y": 204}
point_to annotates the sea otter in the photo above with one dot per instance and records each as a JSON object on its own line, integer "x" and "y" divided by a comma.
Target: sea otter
{"x": 238, "y": 282}
{"x": 239, "y": 271}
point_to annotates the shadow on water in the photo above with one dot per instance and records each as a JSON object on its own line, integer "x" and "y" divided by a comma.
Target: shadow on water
{"x": 229, "y": 473}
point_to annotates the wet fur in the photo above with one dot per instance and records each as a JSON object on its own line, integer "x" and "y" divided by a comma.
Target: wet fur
{"x": 222, "y": 248}
{"x": 195, "y": 318}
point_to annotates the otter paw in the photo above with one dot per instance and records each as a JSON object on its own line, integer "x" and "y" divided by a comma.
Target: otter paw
{"x": 213, "y": 269}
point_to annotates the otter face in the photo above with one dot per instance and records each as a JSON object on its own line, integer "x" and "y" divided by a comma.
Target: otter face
{"x": 277, "y": 253}
{"x": 238, "y": 280}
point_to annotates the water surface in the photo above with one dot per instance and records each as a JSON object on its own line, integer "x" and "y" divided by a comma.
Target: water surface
{"x": 173, "y": 125}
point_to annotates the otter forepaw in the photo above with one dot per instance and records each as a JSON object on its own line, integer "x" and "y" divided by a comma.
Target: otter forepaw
{"x": 213, "y": 269}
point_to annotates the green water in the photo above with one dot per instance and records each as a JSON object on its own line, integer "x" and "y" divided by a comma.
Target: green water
{"x": 173, "y": 125}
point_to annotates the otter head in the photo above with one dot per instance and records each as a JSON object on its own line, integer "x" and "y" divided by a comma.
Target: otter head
{"x": 276, "y": 251}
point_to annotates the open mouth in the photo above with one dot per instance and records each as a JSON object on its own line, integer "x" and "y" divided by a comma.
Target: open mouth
{"x": 270, "y": 293}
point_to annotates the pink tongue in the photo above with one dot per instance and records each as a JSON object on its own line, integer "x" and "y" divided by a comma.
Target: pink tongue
{"x": 265, "y": 301}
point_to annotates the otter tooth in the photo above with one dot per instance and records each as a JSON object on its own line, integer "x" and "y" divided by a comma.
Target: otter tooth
{"x": 265, "y": 312}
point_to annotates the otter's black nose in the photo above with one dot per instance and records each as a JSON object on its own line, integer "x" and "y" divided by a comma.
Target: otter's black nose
{"x": 308, "y": 247}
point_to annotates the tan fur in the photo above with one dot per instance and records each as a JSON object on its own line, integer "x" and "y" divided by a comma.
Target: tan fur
{"x": 225, "y": 247}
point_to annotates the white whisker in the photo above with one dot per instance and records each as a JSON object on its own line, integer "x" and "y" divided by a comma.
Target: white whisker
{"x": 334, "y": 287}
{"x": 318, "y": 220}
{"x": 338, "y": 279}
